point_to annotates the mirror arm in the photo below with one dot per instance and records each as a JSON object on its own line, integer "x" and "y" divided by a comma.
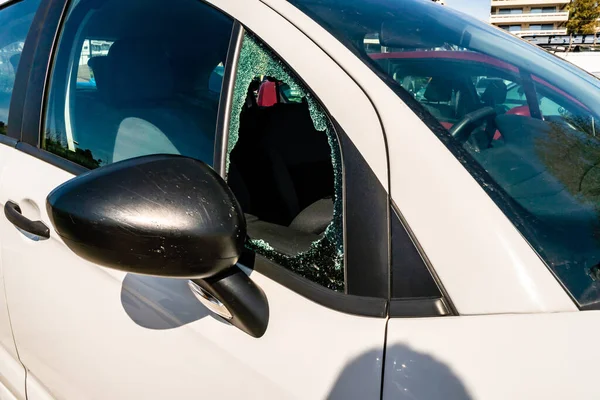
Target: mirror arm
{"x": 239, "y": 301}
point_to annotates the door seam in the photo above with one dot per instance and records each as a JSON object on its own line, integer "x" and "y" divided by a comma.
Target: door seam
{"x": 12, "y": 333}
{"x": 387, "y": 320}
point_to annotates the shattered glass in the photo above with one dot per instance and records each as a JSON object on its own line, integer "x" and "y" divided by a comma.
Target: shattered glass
{"x": 323, "y": 262}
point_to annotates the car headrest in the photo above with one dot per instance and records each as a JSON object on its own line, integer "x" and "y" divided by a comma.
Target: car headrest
{"x": 99, "y": 66}
{"x": 439, "y": 90}
{"x": 14, "y": 61}
{"x": 138, "y": 71}
{"x": 495, "y": 93}
{"x": 315, "y": 218}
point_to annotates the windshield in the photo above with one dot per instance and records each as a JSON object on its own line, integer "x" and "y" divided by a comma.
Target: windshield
{"x": 526, "y": 117}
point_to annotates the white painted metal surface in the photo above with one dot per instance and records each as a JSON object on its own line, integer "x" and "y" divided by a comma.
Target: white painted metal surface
{"x": 5, "y": 2}
{"x": 89, "y": 333}
{"x": 35, "y": 390}
{"x": 12, "y": 373}
{"x": 12, "y": 377}
{"x": 6, "y": 394}
{"x": 483, "y": 261}
{"x": 545, "y": 356}
{"x": 85, "y": 332}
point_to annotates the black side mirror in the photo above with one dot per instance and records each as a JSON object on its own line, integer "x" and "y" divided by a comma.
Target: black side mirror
{"x": 160, "y": 215}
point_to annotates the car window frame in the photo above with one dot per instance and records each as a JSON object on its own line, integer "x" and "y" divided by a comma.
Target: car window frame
{"x": 13, "y": 135}
{"x": 19, "y": 96}
{"x": 32, "y": 83}
{"x": 29, "y": 104}
{"x": 346, "y": 302}
{"x": 375, "y": 305}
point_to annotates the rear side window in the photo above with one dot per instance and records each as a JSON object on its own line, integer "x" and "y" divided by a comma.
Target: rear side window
{"x": 147, "y": 82}
{"x": 15, "y": 21}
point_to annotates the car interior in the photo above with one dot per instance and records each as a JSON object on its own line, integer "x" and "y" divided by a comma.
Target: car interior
{"x": 449, "y": 100}
{"x": 544, "y": 164}
{"x": 450, "y": 92}
{"x": 281, "y": 171}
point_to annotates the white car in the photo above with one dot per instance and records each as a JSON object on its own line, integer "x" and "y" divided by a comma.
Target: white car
{"x": 176, "y": 227}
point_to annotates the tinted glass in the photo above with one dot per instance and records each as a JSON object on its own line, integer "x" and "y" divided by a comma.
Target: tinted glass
{"x": 15, "y": 21}
{"x": 535, "y": 132}
{"x": 133, "y": 77}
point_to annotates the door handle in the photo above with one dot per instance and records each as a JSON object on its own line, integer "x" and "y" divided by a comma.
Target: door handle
{"x": 13, "y": 214}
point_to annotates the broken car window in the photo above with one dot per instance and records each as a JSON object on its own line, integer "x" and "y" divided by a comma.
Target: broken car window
{"x": 284, "y": 165}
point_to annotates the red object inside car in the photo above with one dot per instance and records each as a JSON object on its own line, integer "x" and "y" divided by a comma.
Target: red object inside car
{"x": 521, "y": 110}
{"x": 447, "y": 125}
{"x": 267, "y": 94}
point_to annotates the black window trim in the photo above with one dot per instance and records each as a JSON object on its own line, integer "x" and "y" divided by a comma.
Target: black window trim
{"x": 429, "y": 306}
{"x": 28, "y": 108}
{"x": 8, "y": 141}
{"x": 34, "y": 68}
{"x": 17, "y": 102}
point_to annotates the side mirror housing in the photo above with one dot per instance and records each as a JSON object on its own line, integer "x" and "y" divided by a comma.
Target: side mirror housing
{"x": 160, "y": 215}
{"x": 168, "y": 216}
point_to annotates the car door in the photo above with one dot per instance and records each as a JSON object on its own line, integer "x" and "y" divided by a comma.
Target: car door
{"x": 15, "y": 21}
{"x": 523, "y": 303}
{"x": 508, "y": 227}
{"x": 84, "y": 331}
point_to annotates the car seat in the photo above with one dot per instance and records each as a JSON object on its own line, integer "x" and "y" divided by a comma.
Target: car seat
{"x": 141, "y": 113}
{"x": 495, "y": 96}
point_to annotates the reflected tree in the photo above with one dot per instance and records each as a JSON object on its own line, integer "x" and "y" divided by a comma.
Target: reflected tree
{"x": 571, "y": 152}
{"x": 54, "y": 144}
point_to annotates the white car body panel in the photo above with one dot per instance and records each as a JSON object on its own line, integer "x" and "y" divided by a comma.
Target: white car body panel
{"x": 85, "y": 332}
{"x": 483, "y": 261}
{"x": 90, "y": 333}
{"x": 12, "y": 373}
{"x": 12, "y": 376}
{"x": 37, "y": 391}
{"x": 496, "y": 357}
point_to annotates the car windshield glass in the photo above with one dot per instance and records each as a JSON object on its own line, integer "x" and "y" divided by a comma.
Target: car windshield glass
{"x": 525, "y": 120}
